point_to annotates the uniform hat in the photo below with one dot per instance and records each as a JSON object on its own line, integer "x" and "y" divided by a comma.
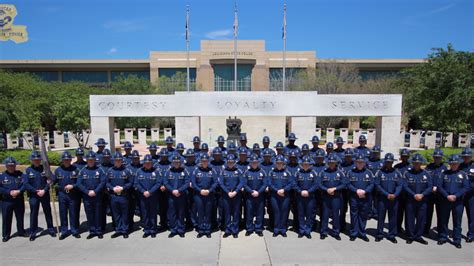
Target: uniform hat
{"x": 292, "y": 154}
{"x": 230, "y": 158}
{"x": 189, "y": 153}
{"x": 216, "y": 151}
{"x": 35, "y": 155}
{"x": 9, "y": 161}
{"x": 196, "y": 139}
{"x": 101, "y": 142}
{"x": 79, "y": 151}
{"x": 254, "y": 158}
{"x": 66, "y": 156}
{"x": 243, "y": 137}
{"x": 437, "y": 153}
{"x": 314, "y": 139}
{"x": 135, "y": 154}
{"x": 320, "y": 153}
{"x": 231, "y": 146}
{"x": 169, "y": 140}
{"x": 362, "y": 138}
{"x": 306, "y": 159}
{"x": 127, "y": 145}
{"x": 266, "y": 139}
{"x": 176, "y": 158}
{"x": 279, "y": 145}
{"x": 280, "y": 158}
{"x": 180, "y": 147}
{"x": 204, "y": 146}
{"x": 329, "y": 145}
{"x": 466, "y": 152}
{"x": 291, "y": 136}
{"x": 256, "y": 147}
{"x": 266, "y": 152}
{"x": 118, "y": 156}
{"x": 454, "y": 158}
{"x": 147, "y": 158}
{"x": 332, "y": 159}
{"x": 305, "y": 147}
{"x": 153, "y": 147}
{"x": 339, "y": 140}
{"x": 418, "y": 158}
{"x": 204, "y": 157}
{"x": 220, "y": 139}
{"x": 164, "y": 152}
{"x": 90, "y": 155}
{"x": 360, "y": 157}
{"x": 106, "y": 153}
{"x": 389, "y": 157}
{"x": 376, "y": 148}
{"x": 242, "y": 150}
{"x": 348, "y": 152}
{"x": 404, "y": 152}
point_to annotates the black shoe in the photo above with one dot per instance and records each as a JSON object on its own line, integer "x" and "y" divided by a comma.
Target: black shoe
{"x": 171, "y": 235}
{"x": 248, "y": 233}
{"x": 200, "y": 235}
{"x": 90, "y": 236}
{"x": 300, "y": 235}
{"x": 52, "y": 234}
{"x": 378, "y": 238}
{"x": 283, "y": 234}
{"x": 226, "y": 235}
{"x": 32, "y": 238}
{"x": 308, "y": 236}
{"x": 62, "y": 236}
{"x": 458, "y": 245}
{"x": 365, "y": 238}
{"x": 5, "y": 239}
{"x": 235, "y": 235}
{"x": 441, "y": 242}
{"x": 337, "y": 237}
{"x": 208, "y": 235}
{"x": 76, "y": 235}
{"x": 125, "y": 235}
{"x": 100, "y": 236}
{"x": 115, "y": 235}
{"x": 23, "y": 234}
{"x": 409, "y": 241}
{"x": 181, "y": 235}
{"x": 259, "y": 233}
{"x": 352, "y": 238}
{"x": 469, "y": 240}
{"x": 275, "y": 234}
{"x": 322, "y": 236}
{"x": 422, "y": 241}
{"x": 145, "y": 235}
{"x": 153, "y": 235}
{"x": 392, "y": 239}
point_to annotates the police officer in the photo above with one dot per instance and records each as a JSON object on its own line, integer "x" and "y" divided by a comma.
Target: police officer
{"x": 291, "y": 147}
{"x": 315, "y": 142}
{"x": 231, "y": 182}
{"x": 65, "y": 177}
{"x": 169, "y": 145}
{"x": 434, "y": 169}
{"x": 148, "y": 181}
{"x": 305, "y": 151}
{"x": 332, "y": 183}
{"x": 190, "y": 165}
{"x": 362, "y": 148}
{"x": 221, "y": 142}
{"x": 197, "y": 144}
{"x": 389, "y": 185}
{"x": 266, "y": 145}
{"x": 163, "y": 165}
{"x": 243, "y": 142}
{"x": 105, "y": 164}
{"x": 418, "y": 185}
{"x": 134, "y": 206}
{"x": 204, "y": 182}
{"x": 280, "y": 148}
{"x": 319, "y": 163}
{"x": 374, "y": 164}
{"x": 293, "y": 166}
{"x": 101, "y": 143}
{"x": 267, "y": 165}
{"x": 119, "y": 184}
{"x": 361, "y": 184}
{"x": 281, "y": 183}
{"x": 217, "y": 164}
{"x": 36, "y": 185}
{"x": 91, "y": 182}
{"x": 339, "y": 151}
{"x": 127, "y": 157}
{"x": 329, "y": 148}
{"x": 255, "y": 183}
{"x": 153, "y": 149}
{"x": 231, "y": 149}
{"x": 346, "y": 165}
{"x": 176, "y": 181}
{"x": 402, "y": 167}
{"x": 180, "y": 149}
{"x": 243, "y": 163}
{"x": 305, "y": 186}
{"x": 256, "y": 150}
{"x": 452, "y": 185}
{"x": 468, "y": 167}
{"x": 80, "y": 162}
{"x": 204, "y": 149}
{"x": 12, "y": 188}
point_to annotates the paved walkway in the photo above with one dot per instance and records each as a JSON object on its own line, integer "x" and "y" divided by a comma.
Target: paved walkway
{"x": 251, "y": 250}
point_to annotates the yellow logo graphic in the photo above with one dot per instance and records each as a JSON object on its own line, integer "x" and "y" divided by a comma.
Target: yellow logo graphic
{"x": 8, "y": 31}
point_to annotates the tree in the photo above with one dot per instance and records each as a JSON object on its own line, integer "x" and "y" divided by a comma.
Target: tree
{"x": 440, "y": 92}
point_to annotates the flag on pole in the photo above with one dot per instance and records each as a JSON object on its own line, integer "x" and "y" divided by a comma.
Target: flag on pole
{"x": 236, "y": 21}
{"x": 187, "y": 23}
{"x": 284, "y": 23}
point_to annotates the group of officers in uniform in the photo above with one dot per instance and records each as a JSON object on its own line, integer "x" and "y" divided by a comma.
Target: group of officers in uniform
{"x": 231, "y": 188}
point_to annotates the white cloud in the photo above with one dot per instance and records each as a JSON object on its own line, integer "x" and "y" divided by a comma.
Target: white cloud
{"x": 112, "y": 50}
{"x": 219, "y": 34}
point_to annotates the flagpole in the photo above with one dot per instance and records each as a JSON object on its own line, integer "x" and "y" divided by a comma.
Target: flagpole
{"x": 236, "y": 25}
{"x": 284, "y": 48}
{"x": 187, "y": 48}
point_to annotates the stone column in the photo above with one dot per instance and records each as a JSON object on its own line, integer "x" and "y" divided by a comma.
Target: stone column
{"x": 371, "y": 137}
{"x": 344, "y": 134}
{"x": 415, "y": 137}
{"x": 303, "y": 127}
{"x": 260, "y": 78}
{"x": 330, "y": 133}
{"x": 155, "y": 134}
{"x": 103, "y": 127}
{"x": 430, "y": 139}
{"x": 388, "y": 134}
{"x": 142, "y": 136}
{"x": 117, "y": 137}
{"x": 186, "y": 128}
{"x": 129, "y": 134}
{"x": 355, "y": 137}
{"x": 58, "y": 139}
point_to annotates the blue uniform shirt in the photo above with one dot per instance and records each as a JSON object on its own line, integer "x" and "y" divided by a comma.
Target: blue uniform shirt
{"x": 148, "y": 180}
{"x": 417, "y": 182}
{"x": 64, "y": 176}
{"x": 435, "y": 171}
{"x": 35, "y": 179}
{"x": 91, "y": 178}
{"x": 469, "y": 170}
{"x": 329, "y": 178}
{"x": 176, "y": 179}
{"x": 121, "y": 176}
{"x": 389, "y": 182}
{"x": 360, "y": 179}
{"x": 204, "y": 178}
{"x": 255, "y": 179}
{"x": 453, "y": 183}
{"x": 306, "y": 180}
{"x": 280, "y": 179}
{"x": 9, "y": 182}
{"x": 231, "y": 180}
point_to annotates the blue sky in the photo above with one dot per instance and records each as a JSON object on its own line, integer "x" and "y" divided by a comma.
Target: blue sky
{"x": 120, "y": 29}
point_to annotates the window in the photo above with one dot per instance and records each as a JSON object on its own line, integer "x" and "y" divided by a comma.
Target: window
{"x": 86, "y": 76}
{"x": 46, "y": 75}
{"x": 125, "y": 74}
{"x": 171, "y": 72}
{"x": 375, "y": 74}
{"x": 291, "y": 77}
{"x": 224, "y": 77}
